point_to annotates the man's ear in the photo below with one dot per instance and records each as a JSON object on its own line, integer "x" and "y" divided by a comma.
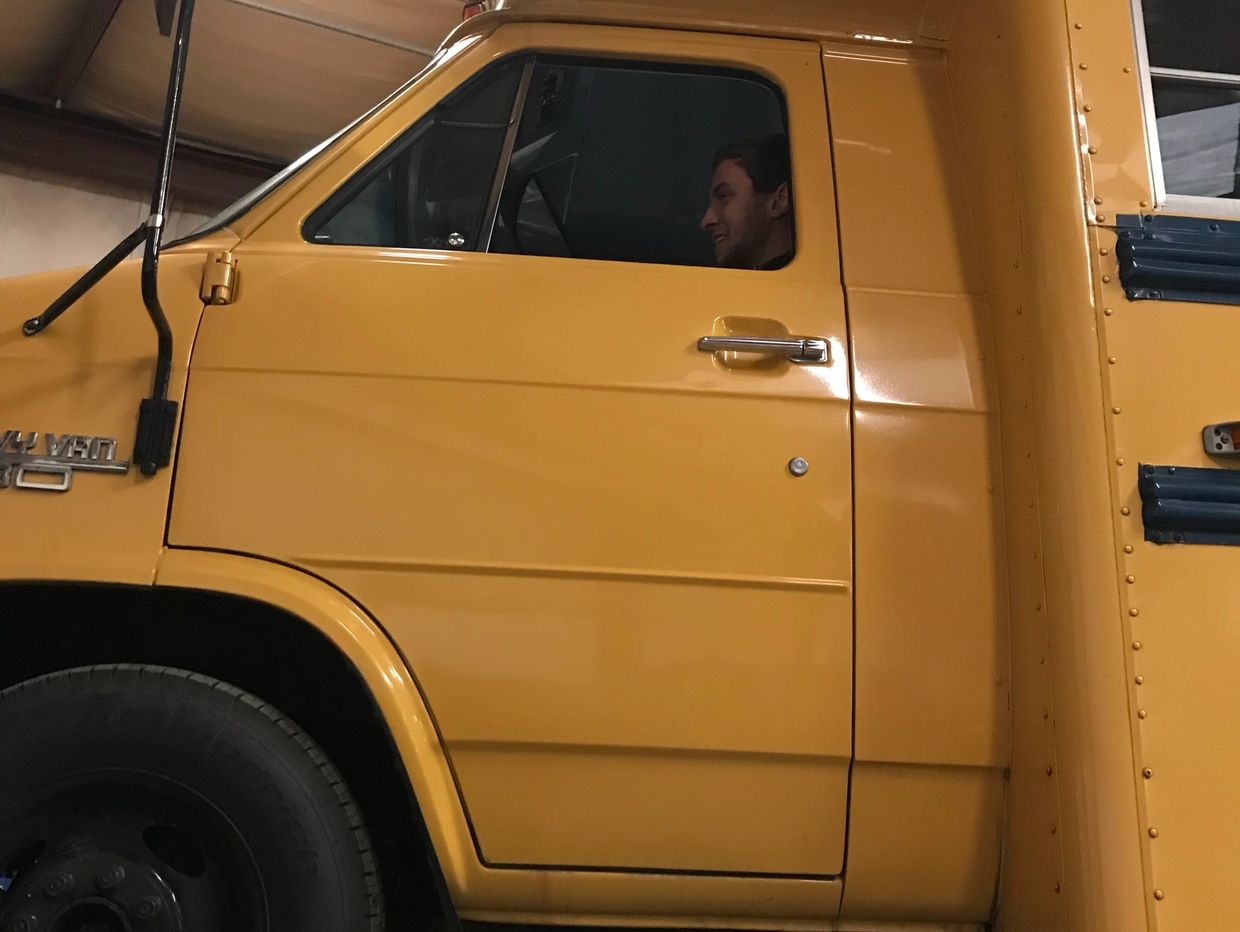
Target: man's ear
{"x": 780, "y": 203}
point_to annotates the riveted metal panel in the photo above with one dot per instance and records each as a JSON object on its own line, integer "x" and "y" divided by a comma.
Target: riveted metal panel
{"x": 1178, "y": 625}
{"x": 1108, "y": 95}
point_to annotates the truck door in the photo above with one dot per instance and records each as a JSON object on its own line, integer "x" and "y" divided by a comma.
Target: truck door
{"x": 462, "y": 381}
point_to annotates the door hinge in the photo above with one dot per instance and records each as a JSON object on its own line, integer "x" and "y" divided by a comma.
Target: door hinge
{"x": 219, "y": 278}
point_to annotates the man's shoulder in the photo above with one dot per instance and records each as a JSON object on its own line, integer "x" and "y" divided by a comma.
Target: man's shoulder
{"x": 778, "y": 262}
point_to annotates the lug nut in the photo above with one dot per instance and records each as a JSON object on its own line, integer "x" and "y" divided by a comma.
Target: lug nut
{"x": 149, "y": 908}
{"x": 58, "y": 885}
{"x": 110, "y": 878}
{"x": 24, "y": 924}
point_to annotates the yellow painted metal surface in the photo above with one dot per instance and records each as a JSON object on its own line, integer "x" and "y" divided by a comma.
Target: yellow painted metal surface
{"x": 932, "y": 650}
{"x": 1171, "y": 633}
{"x": 1100, "y": 827}
{"x": 1107, "y": 93}
{"x": 986, "y": 114}
{"x": 1178, "y": 625}
{"x": 370, "y": 651}
{"x": 606, "y": 626}
{"x": 86, "y": 375}
{"x": 630, "y": 621}
{"x": 480, "y": 892}
{"x": 902, "y": 816}
{"x": 922, "y": 22}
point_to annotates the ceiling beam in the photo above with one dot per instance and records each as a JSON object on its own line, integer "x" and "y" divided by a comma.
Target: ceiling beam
{"x": 60, "y": 142}
{"x": 95, "y": 23}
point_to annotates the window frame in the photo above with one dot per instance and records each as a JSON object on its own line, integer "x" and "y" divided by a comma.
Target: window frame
{"x": 1221, "y": 207}
{"x": 529, "y": 59}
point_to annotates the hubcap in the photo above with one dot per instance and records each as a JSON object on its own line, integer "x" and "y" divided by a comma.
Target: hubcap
{"x": 127, "y": 852}
{"x": 91, "y": 890}
{"x": 91, "y": 917}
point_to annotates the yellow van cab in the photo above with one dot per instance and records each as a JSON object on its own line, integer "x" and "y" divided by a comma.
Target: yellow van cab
{"x": 523, "y": 558}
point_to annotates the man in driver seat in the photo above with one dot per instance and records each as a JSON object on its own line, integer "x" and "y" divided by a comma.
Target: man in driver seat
{"x": 750, "y": 212}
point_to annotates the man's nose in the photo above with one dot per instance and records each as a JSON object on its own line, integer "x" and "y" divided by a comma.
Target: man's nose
{"x": 708, "y": 219}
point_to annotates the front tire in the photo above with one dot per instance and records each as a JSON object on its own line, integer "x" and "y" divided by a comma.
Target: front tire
{"x": 151, "y": 798}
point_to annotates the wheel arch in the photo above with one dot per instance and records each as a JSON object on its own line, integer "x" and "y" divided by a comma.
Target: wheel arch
{"x": 294, "y": 641}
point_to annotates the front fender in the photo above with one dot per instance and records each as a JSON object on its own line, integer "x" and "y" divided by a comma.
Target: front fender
{"x": 357, "y": 636}
{"x": 84, "y": 378}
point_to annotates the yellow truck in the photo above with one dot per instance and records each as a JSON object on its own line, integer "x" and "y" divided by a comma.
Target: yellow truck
{"x": 503, "y": 542}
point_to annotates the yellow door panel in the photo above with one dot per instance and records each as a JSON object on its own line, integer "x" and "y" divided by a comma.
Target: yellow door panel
{"x": 681, "y": 792}
{"x": 631, "y": 621}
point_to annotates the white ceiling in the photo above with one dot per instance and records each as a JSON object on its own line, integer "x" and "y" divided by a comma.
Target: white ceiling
{"x": 266, "y": 77}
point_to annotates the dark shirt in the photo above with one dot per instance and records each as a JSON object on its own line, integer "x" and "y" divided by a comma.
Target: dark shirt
{"x": 777, "y": 263}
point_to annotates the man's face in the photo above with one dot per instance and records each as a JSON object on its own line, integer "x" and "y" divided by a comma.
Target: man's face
{"x": 739, "y": 218}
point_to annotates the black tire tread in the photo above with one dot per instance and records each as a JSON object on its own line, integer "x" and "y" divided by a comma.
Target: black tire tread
{"x": 258, "y": 707}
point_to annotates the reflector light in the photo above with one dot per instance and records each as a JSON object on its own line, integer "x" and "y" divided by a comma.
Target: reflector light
{"x": 474, "y": 8}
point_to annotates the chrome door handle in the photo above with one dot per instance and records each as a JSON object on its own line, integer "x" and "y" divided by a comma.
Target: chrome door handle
{"x": 795, "y": 349}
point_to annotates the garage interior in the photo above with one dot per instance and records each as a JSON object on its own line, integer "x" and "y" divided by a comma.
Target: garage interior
{"x": 82, "y": 85}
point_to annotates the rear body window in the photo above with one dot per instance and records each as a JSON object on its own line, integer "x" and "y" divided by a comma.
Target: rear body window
{"x": 1194, "y": 73}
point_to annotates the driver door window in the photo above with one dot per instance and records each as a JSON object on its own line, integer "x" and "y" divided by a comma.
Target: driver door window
{"x": 561, "y": 157}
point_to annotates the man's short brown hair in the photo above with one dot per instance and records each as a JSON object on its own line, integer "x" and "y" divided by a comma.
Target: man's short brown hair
{"x": 765, "y": 159}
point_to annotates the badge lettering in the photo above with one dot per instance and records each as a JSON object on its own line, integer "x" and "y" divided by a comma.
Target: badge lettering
{"x": 16, "y": 442}
{"x": 103, "y": 448}
{"x": 64, "y": 455}
{"x": 57, "y": 447}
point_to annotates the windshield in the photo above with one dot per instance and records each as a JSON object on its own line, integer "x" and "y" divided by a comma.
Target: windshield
{"x": 246, "y": 201}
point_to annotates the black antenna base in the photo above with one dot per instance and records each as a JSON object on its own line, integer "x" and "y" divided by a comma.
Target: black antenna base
{"x": 157, "y": 423}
